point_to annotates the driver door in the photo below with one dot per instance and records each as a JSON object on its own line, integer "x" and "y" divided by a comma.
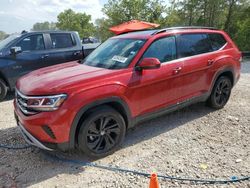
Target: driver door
{"x": 30, "y": 58}
{"x": 158, "y": 88}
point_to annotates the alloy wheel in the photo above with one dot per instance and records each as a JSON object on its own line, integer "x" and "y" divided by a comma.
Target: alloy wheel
{"x": 222, "y": 92}
{"x": 103, "y": 134}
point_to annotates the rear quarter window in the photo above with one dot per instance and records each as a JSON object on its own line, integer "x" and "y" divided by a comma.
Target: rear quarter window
{"x": 62, "y": 40}
{"x": 192, "y": 44}
{"x": 217, "y": 41}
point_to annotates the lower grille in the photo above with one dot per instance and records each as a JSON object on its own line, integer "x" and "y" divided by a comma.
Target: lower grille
{"x": 48, "y": 130}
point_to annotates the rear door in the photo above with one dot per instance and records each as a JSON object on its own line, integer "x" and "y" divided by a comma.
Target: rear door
{"x": 194, "y": 50}
{"x": 63, "y": 48}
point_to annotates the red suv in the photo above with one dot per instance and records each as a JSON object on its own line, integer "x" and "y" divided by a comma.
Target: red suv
{"x": 90, "y": 104}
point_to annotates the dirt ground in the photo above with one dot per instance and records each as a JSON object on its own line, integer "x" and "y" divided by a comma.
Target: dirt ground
{"x": 193, "y": 142}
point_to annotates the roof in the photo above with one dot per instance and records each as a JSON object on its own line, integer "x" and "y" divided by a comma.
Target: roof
{"x": 49, "y": 31}
{"x": 141, "y": 34}
{"x": 149, "y": 33}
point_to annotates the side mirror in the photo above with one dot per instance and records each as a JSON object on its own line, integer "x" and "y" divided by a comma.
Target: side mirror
{"x": 149, "y": 63}
{"x": 15, "y": 50}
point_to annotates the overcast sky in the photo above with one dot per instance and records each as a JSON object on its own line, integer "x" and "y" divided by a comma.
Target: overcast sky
{"x": 18, "y": 15}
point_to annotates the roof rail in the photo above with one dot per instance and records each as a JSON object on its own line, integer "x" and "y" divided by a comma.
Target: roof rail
{"x": 185, "y": 27}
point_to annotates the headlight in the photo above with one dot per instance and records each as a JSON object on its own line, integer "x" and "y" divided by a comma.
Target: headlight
{"x": 45, "y": 103}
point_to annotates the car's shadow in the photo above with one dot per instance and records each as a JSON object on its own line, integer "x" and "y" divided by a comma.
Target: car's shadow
{"x": 35, "y": 166}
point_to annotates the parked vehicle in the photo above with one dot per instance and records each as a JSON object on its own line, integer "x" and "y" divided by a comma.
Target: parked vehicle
{"x": 128, "y": 79}
{"x": 21, "y": 54}
{"x": 90, "y": 44}
{"x": 90, "y": 40}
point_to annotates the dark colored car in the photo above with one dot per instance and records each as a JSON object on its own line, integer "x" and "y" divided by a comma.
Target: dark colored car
{"x": 129, "y": 78}
{"x": 89, "y": 44}
{"x": 21, "y": 54}
{"x": 90, "y": 40}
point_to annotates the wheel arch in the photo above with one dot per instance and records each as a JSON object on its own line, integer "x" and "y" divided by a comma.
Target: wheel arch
{"x": 4, "y": 79}
{"x": 229, "y": 72}
{"x": 115, "y": 102}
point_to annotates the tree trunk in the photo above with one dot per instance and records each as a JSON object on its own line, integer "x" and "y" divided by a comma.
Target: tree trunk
{"x": 229, "y": 15}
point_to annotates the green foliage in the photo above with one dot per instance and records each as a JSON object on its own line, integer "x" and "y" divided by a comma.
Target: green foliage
{"x": 230, "y": 15}
{"x": 102, "y": 29}
{"x": 242, "y": 31}
{"x": 69, "y": 20}
{"x": 119, "y": 11}
{"x": 44, "y": 26}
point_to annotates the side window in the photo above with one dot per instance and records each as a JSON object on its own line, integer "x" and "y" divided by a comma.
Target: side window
{"x": 193, "y": 44}
{"x": 61, "y": 40}
{"x": 217, "y": 41}
{"x": 163, "y": 49}
{"x": 32, "y": 43}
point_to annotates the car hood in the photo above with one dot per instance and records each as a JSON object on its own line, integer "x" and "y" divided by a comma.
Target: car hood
{"x": 58, "y": 78}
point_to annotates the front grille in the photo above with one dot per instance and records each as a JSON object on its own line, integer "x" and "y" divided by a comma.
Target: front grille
{"x": 21, "y": 101}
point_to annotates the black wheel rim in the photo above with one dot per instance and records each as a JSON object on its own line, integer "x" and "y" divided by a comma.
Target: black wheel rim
{"x": 103, "y": 134}
{"x": 222, "y": 92}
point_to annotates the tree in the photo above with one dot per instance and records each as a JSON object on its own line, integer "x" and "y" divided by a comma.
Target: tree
{"x": 119, "y": 11}
{"x": 41, "y": 26}
{"x": 69, "y": 20}
{"x": 230, "y": 15}
{"x": 240, "y": 27}
{"x": 102, "y": 28}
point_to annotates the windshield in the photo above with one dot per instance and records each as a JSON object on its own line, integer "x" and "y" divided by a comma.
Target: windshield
{"x": 114, "y": 53}
{"x": 6, "y": 41}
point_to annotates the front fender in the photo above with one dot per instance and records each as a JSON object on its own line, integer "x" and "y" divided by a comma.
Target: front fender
{"x": 86, "y": 100}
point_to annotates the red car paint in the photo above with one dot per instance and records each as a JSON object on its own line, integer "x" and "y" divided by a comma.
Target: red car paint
{"x": 142, "y": 91}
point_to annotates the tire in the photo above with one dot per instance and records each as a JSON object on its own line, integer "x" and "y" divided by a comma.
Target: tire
{"x": 3, "y": 90}
{"x": 221, "y": 93}
{"x": 102, "y": 132}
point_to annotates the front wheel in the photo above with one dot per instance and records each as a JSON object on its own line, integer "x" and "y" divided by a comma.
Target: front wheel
{"x": 101, "y": 132}
{"x": 220, "y": 93}
{"x": 3, "y": 90}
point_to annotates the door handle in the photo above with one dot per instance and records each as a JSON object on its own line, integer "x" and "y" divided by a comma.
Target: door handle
{"x": 17, "y": 67}
{"x": 76, "y": 53}
{"x": 45, "y": 56}
{"x": 177, "y": 70}
{"x": 210, "y": 62}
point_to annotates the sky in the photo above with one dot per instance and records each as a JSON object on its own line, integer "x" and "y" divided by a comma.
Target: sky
{"x": 18, "y": 15}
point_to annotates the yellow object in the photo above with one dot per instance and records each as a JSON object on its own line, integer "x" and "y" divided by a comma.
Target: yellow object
{"x": 203, "y": 166}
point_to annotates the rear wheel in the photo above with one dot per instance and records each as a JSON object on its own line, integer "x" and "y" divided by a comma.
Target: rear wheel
{"x": 3, "y": 90}
{"x": 101, "y": 132}
{"x": 220, "y": 93}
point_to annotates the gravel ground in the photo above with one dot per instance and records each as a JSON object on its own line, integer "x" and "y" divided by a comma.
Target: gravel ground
{"x": 193, "y": 142}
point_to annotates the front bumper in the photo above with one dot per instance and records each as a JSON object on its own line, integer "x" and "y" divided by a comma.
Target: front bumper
{"x": 33, "y": 132}
{"x": 31, "y": 139}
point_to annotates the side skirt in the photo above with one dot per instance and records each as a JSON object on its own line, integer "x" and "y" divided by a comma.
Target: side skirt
{"x": 171, "y": 108}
